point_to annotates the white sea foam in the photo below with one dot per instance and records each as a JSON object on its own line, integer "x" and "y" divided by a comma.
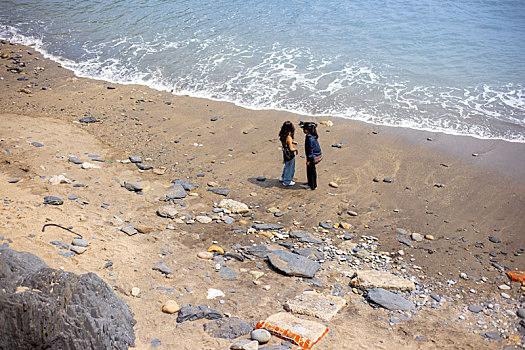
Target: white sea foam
{"x": 295, "y": 80}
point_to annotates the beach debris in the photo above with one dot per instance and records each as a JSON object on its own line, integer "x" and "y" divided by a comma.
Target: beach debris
{"x": 214, "y": 293}
{"x": 517, "y": 276}
{"x": 215, "y": 249}
{"x": 301, "y": 332}
{"x": 314, "y": 304}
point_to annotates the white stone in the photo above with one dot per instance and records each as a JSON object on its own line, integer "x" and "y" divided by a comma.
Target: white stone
{"x": 233, "y": 206}
{"x": 203, "y": 219}
{"x": 214, "y": 293}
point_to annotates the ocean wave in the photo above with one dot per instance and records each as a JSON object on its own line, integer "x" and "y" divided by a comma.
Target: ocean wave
{"x": 295, "y": 80}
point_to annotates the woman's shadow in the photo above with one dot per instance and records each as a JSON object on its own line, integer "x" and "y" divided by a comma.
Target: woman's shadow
{"x": 269, "y": 183}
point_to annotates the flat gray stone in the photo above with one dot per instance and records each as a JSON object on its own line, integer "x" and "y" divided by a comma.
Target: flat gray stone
{"x": 75, "y": 160}
{"x": 135, "y": 159}
{"x": 133, "y": 187}
{"x": 143, "y": 166}
{"x": 228, "y": 328}
{"x": 162, "y": 268}
{"x": 13, "y": 180}
{"x": 220, "y": 191}
{"x": 293, "y": 264}
{"x": 188, "y": 186}
{"x": 176, "y": 192}
{"x": 303, "y": 237}
{"x": 53, "y": 200}
{"x": 267, "y": 227}
{"x": 475, "y": 308}
{"x": 259, "y": 251}
{"x": 389, "y": 300}
{"x": 129, "y": 230}
{"x": 404, "y": 241}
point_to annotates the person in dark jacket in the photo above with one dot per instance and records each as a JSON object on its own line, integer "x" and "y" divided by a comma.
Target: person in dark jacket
{"x": 312, "y": 152}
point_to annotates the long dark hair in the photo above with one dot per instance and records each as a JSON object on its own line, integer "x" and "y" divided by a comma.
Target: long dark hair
{"x": 311, "y": 128}
{"x": 286, "y": 129}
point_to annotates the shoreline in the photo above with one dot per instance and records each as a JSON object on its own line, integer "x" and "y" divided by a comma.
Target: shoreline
{"x": 480, "y": 197}
{"x": 57, "y": 60}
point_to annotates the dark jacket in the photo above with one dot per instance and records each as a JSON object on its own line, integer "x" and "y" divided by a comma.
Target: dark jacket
{"x": 311, "y": 147}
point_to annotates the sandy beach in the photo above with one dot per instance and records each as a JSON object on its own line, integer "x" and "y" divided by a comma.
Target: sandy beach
{"x": 465, "y": 197}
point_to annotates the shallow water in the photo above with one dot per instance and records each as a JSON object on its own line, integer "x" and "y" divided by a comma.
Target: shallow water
{"x": 433, "y": 65}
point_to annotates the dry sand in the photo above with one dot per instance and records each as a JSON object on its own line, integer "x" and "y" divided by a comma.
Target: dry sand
{"x": 483, "y": 195}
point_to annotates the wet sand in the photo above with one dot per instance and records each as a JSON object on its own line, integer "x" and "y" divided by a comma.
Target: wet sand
{"x": 439, "y": 188}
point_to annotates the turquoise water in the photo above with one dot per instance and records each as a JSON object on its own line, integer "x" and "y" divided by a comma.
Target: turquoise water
{"x": 435, "y": 65}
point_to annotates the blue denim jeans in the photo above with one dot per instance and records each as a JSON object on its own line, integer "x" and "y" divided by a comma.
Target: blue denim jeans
{"x": 288, "y": 171}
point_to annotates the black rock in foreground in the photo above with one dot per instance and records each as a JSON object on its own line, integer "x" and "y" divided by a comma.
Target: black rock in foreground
{"x": 44, "y": 308}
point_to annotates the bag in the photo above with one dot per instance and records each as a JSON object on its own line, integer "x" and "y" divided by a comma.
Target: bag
{"x": 287, "y": 154}
{"x": 318, "y": 159}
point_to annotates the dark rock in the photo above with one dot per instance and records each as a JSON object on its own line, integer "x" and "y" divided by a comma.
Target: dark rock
{"x": 228, "y": 328}
{"x": 111, "y": 88}
{"x": 310, "y": 253}
{"x": 130, "y": 186}
{"x": 176, "y": 192}
{"x": 387, "y": 180}
{"x": 375, "y": 179}
{"x": 69, "y": 254}
{"x": 53, "y": 200}
{"x": 46, "y": 308}
{"x": 261, "y": 178}
{"x": 267, "y": 227}
{"x": 435, "y": 297}
{"x": 144, "y": 166}
{"x": 521, "y": 313}
{"x": 75, "y": 160}
{"x": 494, "y": 239}
{"x": 389, "y": 300}
{"x": 88, "y": 120}
{"x": 214, "y": 119}
{"x": 162, "y": 268}
{"x": 259, "y": 251}
{"x": 188, "y": 186}
{"x": 234, "y": 256}
{"x": 13, "y": 180}
{"x": 37, "y": 144}
{"x": 220, "y": 191}
{"x": 73, "y": 197}
{"x": 493, "y": 335}
{"x": 293, "y": 264}
{"x": 193, "y": 313}
{"x": 135, "y": 159}
{"x": 325, "y": 225}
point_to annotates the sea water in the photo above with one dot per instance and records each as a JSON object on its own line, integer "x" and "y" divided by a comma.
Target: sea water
{"x": 452, "y": 66}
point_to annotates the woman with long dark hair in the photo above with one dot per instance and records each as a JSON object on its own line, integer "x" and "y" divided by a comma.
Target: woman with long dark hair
{"x": 312, "y": 152}
{"x": 286, "y": 136}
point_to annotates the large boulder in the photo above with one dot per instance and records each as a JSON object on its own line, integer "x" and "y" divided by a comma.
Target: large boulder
{"x": 44, "y": 308}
